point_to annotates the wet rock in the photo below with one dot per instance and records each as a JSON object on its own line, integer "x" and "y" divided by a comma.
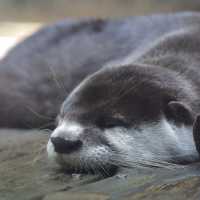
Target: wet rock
{"x": 76, "y": 196}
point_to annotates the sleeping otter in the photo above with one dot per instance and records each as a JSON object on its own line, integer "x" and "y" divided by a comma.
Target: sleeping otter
{"x": 130, "y": 90}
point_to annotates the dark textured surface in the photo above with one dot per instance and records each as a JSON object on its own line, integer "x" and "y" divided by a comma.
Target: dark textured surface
{"x": 25, "y": 175}
{"x": 30, "y": 10}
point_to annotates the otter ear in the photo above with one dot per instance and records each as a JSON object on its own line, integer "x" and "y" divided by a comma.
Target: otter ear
{"x": 196, "y": 133}
{"x": 179, "y": 112}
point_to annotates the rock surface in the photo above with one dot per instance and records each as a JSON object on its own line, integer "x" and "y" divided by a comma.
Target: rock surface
{"x": 25, "y": 174}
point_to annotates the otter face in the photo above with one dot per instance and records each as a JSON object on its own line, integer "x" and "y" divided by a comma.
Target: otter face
{"x": 122, "y": 117}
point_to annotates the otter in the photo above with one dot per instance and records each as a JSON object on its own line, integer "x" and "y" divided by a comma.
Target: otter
{"x": 129, "y": 90}
{"x": 137, "y": 111}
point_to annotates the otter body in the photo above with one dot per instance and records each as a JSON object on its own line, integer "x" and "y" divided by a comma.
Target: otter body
{"x": 130, "y": 90}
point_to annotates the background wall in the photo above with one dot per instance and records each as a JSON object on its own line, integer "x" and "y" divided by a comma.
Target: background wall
{"x": 19, "y": 18}
{"x": 51, "y": 10}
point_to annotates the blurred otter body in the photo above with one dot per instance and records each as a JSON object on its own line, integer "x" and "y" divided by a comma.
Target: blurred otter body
{"x": 38, "y": 74}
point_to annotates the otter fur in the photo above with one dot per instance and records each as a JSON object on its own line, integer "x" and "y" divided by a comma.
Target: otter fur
{"x": 129, "y": 90}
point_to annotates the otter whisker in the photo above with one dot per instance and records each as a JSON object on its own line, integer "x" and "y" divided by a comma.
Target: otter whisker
{"x": 47, "y": 131}
{"x": 37, "y": 114}
{"x": 39, "y": 154}
{"x": 124, "y": 160}
{"x": 81, "y": 164}
{"x": 45, "y": 126}
{"x": 101, "y": 165}
{"x": 98, "y": 168}
{"x": 55, "y": 79}
{"x": 40, "y": 128}
{"x": 76, "y": 166}
{"x": 92, "y": 167}
{"x": 85, "y": 165}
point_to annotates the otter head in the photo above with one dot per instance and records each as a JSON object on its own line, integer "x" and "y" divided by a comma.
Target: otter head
{"x": 124, "y": 116}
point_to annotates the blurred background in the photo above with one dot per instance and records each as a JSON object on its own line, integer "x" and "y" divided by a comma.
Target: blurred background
{"x": 19, "y": 18}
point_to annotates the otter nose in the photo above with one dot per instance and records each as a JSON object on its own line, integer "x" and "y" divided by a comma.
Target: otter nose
{"x": 65, "y": 146}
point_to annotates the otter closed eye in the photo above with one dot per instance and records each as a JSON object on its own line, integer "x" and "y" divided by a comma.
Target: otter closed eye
{"x": 105, "y": 123}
